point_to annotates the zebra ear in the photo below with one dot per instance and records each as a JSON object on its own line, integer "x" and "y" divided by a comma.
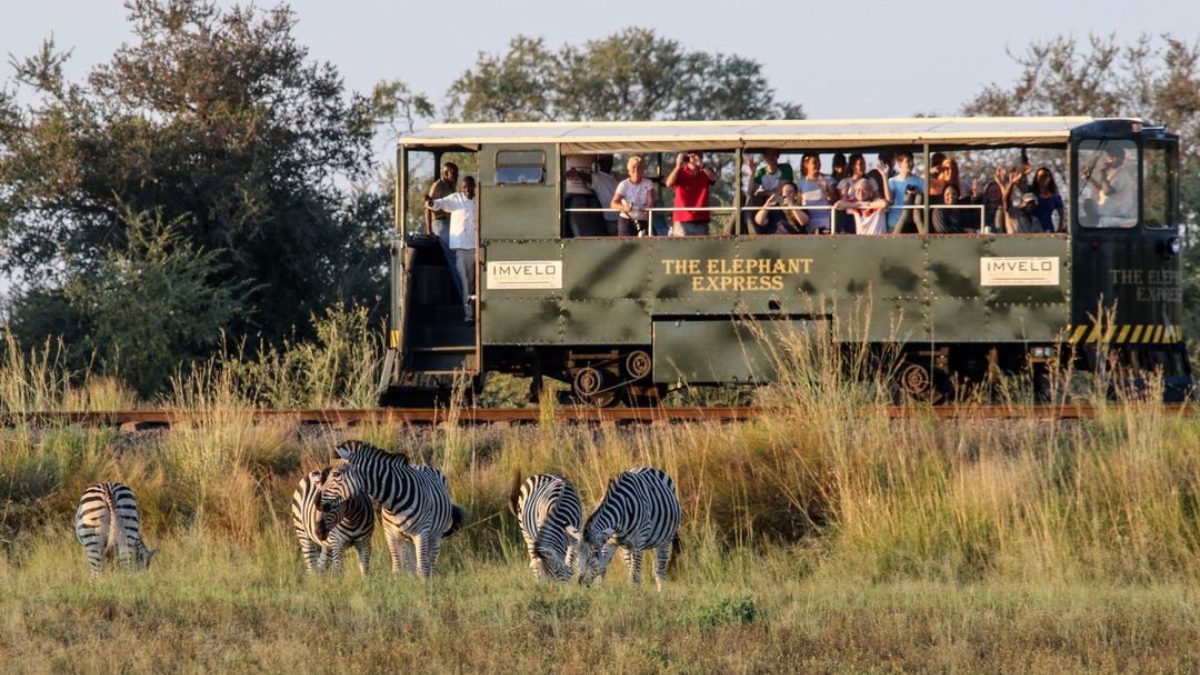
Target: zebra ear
{"x": 343, "y": 452}
{"x": 574, "y": 533}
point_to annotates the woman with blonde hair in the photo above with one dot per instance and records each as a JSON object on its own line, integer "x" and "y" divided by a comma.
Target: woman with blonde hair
{"x": 633, "y": 198}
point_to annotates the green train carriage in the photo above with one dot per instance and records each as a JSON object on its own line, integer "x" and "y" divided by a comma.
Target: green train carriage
{"x": 623, "y": 318}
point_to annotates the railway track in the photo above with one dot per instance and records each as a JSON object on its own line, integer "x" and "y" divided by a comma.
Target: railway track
{"x": 149, "y": 419}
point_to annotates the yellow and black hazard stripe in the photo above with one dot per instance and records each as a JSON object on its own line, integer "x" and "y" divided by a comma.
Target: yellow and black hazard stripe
{"x": 1125, "y": 333}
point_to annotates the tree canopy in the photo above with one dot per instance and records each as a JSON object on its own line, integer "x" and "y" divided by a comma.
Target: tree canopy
{"x": 218, "y": 122}
{"x": 634, "y": 74}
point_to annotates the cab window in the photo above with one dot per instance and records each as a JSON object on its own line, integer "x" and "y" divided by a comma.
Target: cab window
{"x": 520, "y": 167}
{"x": 1108, "y": 183}
{"x": 1159, "y": 181}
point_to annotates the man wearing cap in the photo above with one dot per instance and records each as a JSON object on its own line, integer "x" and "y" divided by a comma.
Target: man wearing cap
{"x": 691, "y": 179}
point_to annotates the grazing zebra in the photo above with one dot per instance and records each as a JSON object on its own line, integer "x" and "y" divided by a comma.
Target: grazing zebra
{"x": 545, "y": 506}
{"x": 640, "y": 511}
{"x": 416, "y": 501}
{"x": 350, "y": 525}
{"x": 107, "y": 524}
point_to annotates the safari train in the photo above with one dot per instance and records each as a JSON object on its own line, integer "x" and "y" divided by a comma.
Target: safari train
{"x": 625, "y": 318}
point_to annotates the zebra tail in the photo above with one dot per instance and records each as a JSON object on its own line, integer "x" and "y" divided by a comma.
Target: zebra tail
{"x": 111, "y": 541}
{"x": 676, "y": 547}
{"x": 457, "y": 516}
{"x": 515, "y": 493}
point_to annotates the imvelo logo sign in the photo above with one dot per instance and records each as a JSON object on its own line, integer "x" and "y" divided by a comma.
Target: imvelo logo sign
{"x": 506, "y": 275}
{"x": 1018, "y": 271}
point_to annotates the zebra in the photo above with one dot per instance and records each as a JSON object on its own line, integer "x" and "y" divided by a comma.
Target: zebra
{"x": 107, "y": 524}
{"x": 640, "y": 511}
{"x": 351, "y": 524}
{"x": 417, "y": 511}
{"x": 545, "y": 506}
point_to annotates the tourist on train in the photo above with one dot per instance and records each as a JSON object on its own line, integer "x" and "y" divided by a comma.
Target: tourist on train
{"x": 604, "y": 184}
{"x": 906, "y": 190}
{"x": 881, "y": 173}
{"x": 691, "y": 180}
{"x": 580, "y": 200}
{"x": 1048, "y": 209}
{"x": 768, "y": 178}
{"x": 868, "y": 210}
{"x": 633, "y": 198}
{"x": 779, "y": 215}
{"x": 951, "y": 219}
{"x": 1018, "y": 204}
{"x": 815, "y": 191}
{"x": 857, "y": 169}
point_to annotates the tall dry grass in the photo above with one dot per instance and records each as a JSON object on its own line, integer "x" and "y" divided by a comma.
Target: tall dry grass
{"x": 824, "y": 525}
{"x": 1112, "y": 499}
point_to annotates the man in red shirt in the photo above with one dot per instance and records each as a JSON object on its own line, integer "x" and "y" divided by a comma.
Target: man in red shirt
{"x": 691, "y": 179}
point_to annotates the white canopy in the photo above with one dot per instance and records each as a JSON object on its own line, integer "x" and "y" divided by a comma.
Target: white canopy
{"x": 597, "y": 137}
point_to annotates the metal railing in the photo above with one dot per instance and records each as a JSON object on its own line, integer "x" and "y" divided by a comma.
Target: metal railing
{"x": 985, "y": 227}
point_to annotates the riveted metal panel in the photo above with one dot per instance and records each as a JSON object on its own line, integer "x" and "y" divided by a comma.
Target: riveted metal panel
{"x": 620, "y": 321}
{"x": 519, "y": 211}
{"x": 515, "y": 316}
{"x": 965, "y": 310}
{"x": 508, "y": 320}
{"x": 607, "y": 269}
{"x": 714, "y": 350}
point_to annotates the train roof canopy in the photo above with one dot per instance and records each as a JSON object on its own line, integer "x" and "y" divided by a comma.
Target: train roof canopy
{"x": 595, "y": 137}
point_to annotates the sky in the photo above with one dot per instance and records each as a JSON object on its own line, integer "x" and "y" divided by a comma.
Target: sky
{"x": 838, "y": 59}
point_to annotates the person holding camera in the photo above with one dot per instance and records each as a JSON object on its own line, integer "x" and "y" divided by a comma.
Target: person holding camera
{"x": 779, "y": 215}
{"x": 691, "y": 180}
{"x": 633, "y": 199}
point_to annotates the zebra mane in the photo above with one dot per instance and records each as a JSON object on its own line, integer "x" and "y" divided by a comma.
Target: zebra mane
{"x": 347, "y": 449}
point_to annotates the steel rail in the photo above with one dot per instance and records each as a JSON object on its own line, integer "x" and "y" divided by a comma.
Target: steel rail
{"x": 145, "y": 419}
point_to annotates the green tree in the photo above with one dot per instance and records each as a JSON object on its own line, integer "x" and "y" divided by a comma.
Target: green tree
{"x": 634, "y": 74}
{"x": 160, "y": 286}
{"x": 217, "y": 120}
{"x": 1157, "y": 78}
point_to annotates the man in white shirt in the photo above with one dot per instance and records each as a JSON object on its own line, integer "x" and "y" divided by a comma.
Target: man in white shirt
{"x": 461, "y": 206}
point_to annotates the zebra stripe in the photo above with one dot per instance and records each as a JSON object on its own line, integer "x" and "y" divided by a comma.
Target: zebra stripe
{"x": 640, "y": 511}
{"x": 546, "y": 505}
{"x": 107, "y": 524}
{"x": 416, "y": 501}
{"x": 325, "y": 536}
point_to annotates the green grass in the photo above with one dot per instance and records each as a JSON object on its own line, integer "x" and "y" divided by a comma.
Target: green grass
{"x": 822, "y": 537}
{"x": 208, "y": 605}
{"x": 810, "y": 542}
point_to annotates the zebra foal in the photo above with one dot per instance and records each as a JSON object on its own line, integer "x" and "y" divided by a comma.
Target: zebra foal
{"x": 417, "y": 511}
{"x": 640, "y": 511}
{"x": 324, "y": 537}
{"x": 546, "y": 505}
{"x": 108, "y": 525}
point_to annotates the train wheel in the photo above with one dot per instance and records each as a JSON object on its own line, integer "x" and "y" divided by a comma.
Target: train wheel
{"x": 916, "y": 382}
{"x": 638, "y": 364}
{"x": 588, "y": 387}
